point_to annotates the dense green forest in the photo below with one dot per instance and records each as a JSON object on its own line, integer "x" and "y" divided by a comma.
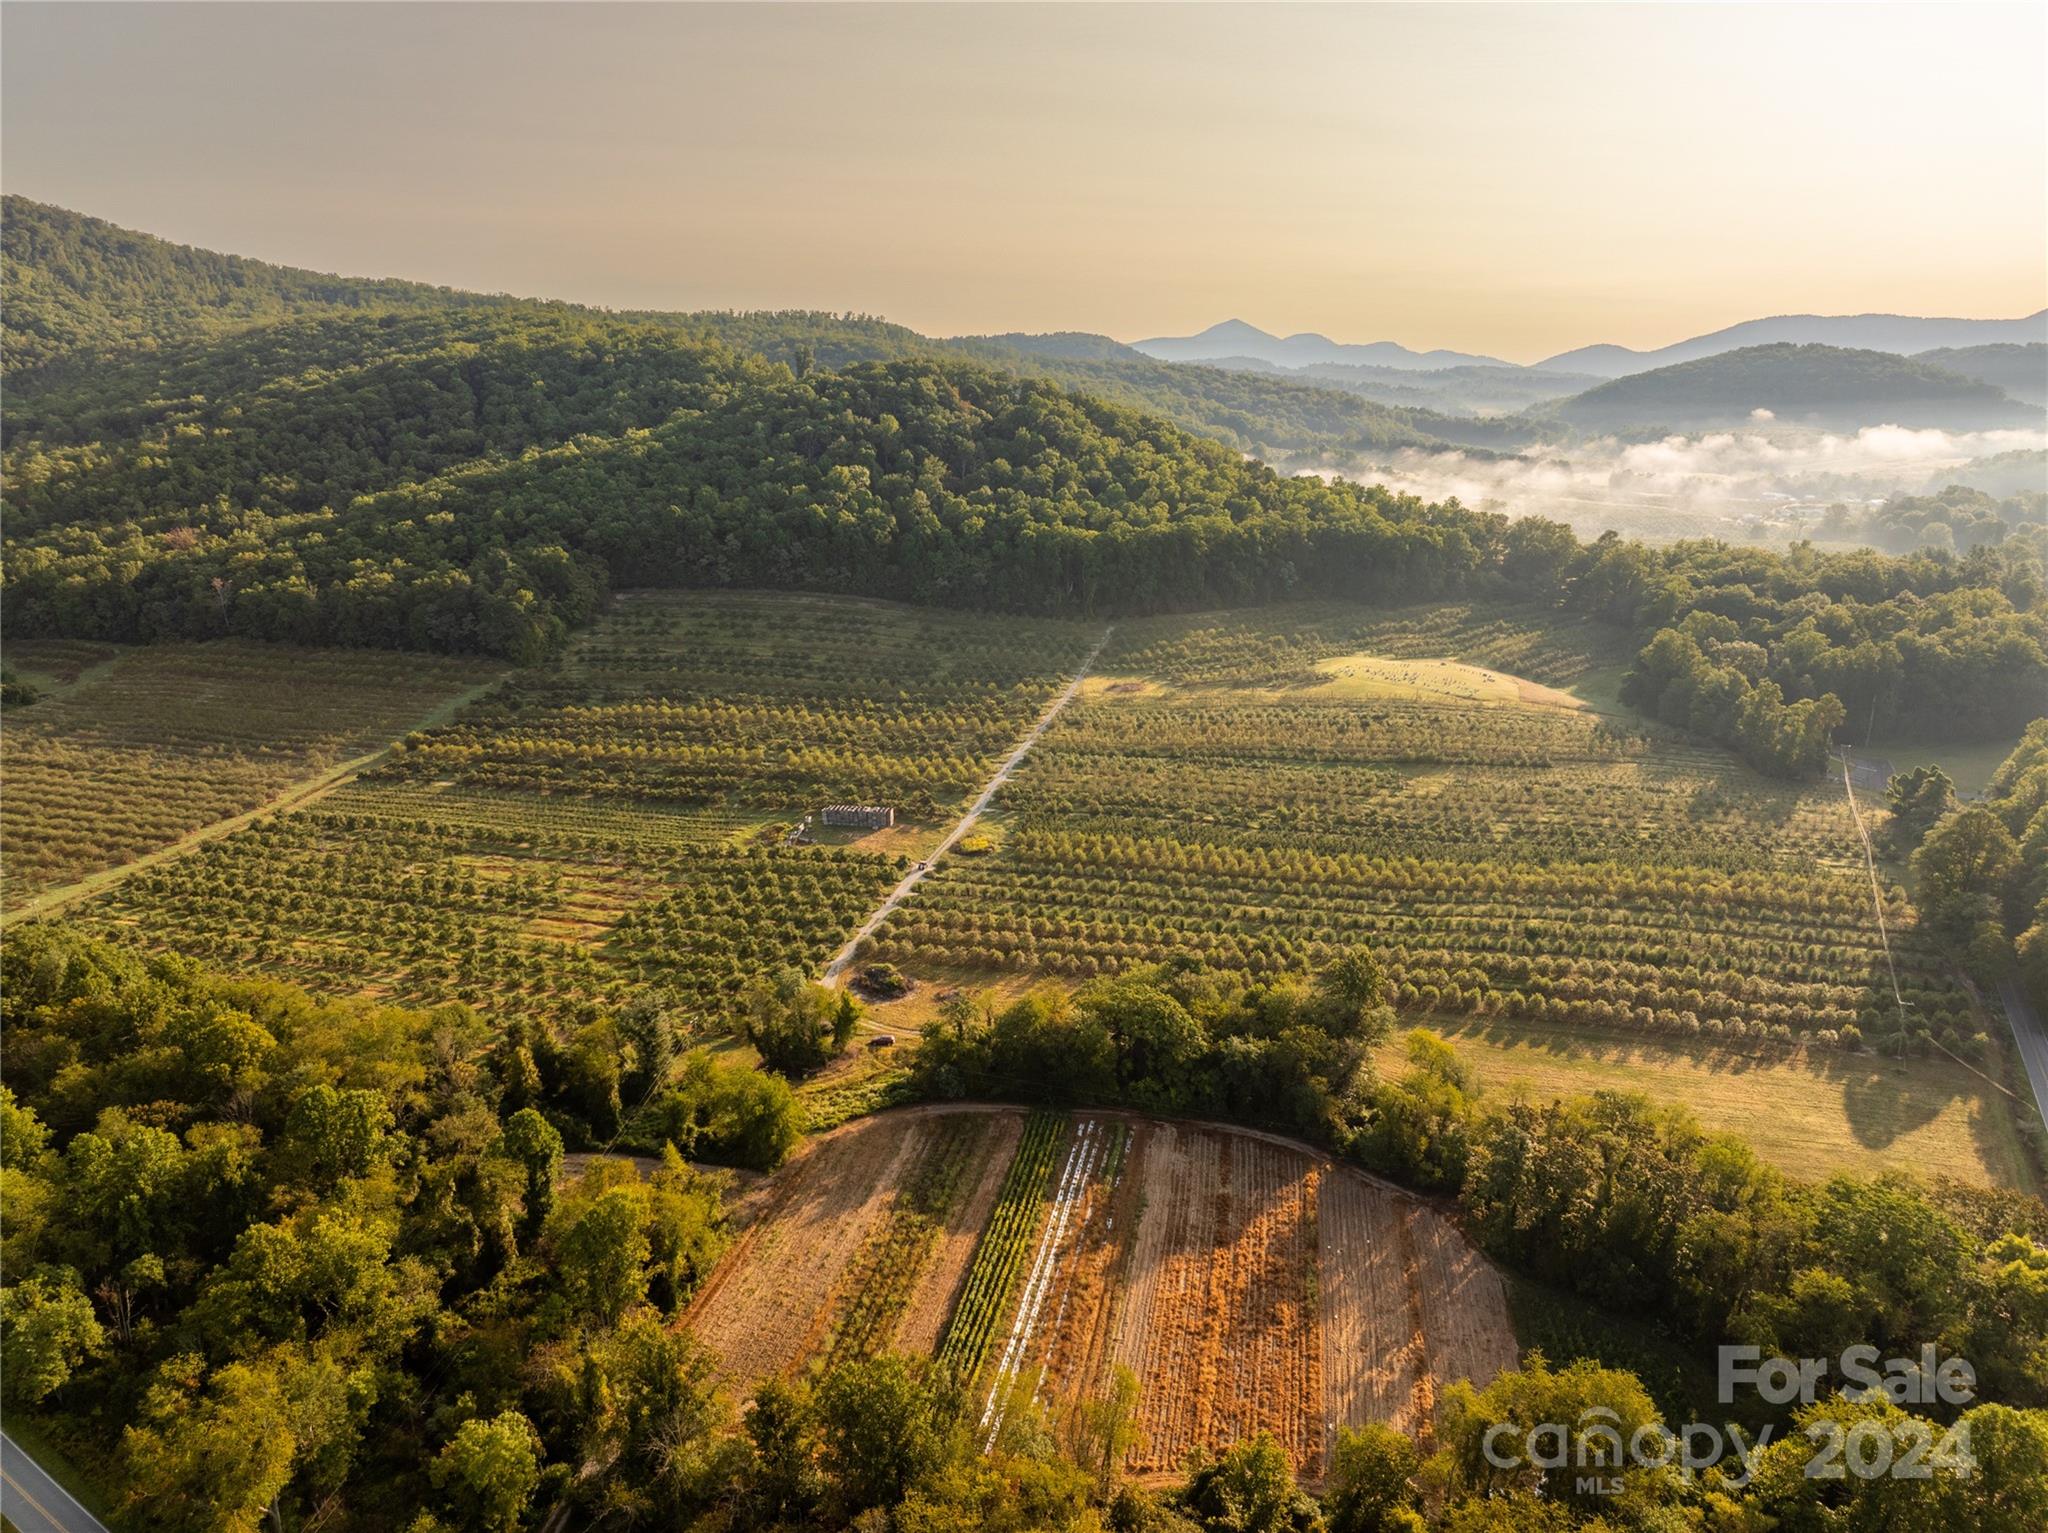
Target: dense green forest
{"x": 1957, "y": 518}
{"x": 82, "y": 289}
{"x": 475, "y": 479}
{"x": 279, "y": 1262}
{"x": 1813, "y": 384}
{"x": 1982, "y": 868}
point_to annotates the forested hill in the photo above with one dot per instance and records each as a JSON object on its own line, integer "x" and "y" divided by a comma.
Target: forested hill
{"x": 1817, "y": 385}
{"x": 475, "y": 478}
{"x": 83, "y": 288}
{"x": 1275, "y": 418}
{"x": 2022, "y": 371}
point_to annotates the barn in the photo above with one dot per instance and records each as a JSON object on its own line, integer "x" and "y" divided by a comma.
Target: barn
{"x": 859, "y": 816}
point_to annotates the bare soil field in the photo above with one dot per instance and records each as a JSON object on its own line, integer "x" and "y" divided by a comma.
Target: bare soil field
{"x": 770, "y": 1302}
{"x": 1250, "y": 1283}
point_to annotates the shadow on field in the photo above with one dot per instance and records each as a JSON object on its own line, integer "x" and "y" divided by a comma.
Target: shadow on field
{"x": 1883, "y": 1100}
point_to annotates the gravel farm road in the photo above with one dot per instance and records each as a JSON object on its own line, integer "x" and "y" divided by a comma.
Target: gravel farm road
{"x": 844, "y": 960}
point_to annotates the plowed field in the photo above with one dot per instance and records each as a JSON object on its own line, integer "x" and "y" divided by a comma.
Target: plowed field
{"x": 1249, "y": 1282}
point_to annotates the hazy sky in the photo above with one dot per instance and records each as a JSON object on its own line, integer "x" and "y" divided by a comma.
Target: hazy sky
{"x": 1507, "y": 180}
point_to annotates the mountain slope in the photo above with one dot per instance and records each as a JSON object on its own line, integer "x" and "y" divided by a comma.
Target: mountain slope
{"x": 1814, "y": 385}
{"x": 1902, "y": 334}
{"x": 81, "y": 287}
{"x": 2022, "y": 371}
{"x": 1235, "y": 338}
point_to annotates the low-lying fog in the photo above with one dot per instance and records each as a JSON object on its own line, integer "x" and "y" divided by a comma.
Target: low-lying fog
{"x": 1766, "y": 484}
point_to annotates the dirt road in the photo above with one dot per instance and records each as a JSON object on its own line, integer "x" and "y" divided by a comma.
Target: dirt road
{"x": 836, "y": 969}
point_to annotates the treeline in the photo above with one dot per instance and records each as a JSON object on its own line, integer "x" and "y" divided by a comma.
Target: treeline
{"x": 1634, "y": 1207}
{"x": 274, "y": 1262}
{"x": 81, "y": 289}
{"x": 476, "y": 479}
{"x": 1179, "y": 1040}
{"x": 1956, "y": 520}
{"x": 1774, "y": 654}
{"x": 1981, "y": 869}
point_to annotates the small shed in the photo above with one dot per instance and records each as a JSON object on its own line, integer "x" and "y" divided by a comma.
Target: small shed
{"x": 859, "y": 816}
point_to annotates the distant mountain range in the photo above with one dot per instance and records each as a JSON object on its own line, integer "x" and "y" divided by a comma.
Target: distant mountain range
{"x": 1901, "y": 334}
{"x": 1237, "y": 344}
{"x": 1831, "y": 386}
{"x": 1236, "y": 339}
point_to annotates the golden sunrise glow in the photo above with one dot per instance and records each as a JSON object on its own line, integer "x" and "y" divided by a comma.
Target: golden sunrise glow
{"x": 1508, "y": 180}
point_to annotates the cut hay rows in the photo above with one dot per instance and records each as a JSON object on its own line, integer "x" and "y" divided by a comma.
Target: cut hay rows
{"x": 1373, "y": 1338}
{"x": 1225, "y": 1339}
{"x": 1074, "y": 1347}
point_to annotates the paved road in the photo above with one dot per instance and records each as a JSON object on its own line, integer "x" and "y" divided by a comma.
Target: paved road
{"x": 2032, "y": 1037}
{"x": 33, "y": 1501}
{"x": 839, "y": 965}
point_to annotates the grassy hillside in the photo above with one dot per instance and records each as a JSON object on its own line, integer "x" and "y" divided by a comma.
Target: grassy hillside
{"x": 1821, "y": 385}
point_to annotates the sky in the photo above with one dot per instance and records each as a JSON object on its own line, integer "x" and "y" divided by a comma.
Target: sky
{"x": 1514, "y": 181}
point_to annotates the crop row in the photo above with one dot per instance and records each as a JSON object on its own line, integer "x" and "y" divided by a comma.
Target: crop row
{"x": 881, "y": 1279}
{"x": 1281, "y": 645}
{"x": 1624, "y": 811}
{"x": 169, "y": 738}
{"x": 597, "y": 820}
{"x": 1068, "y": 1199}
{"x": 424, "y": 913}
{"x": 999, "y": 1254}
{"x": 774, "y": 704}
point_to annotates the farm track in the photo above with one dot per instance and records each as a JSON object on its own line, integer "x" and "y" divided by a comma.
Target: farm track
{"x": 844, "y": 960}
{"x": 293, "y": 796}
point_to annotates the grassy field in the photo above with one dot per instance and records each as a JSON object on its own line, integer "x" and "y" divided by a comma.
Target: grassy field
{"x": 1969, "y": 766}
{"x": 1810, "y": 1113}
{"x": 619, "y": 822}
{"x": 132, "y": 749}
